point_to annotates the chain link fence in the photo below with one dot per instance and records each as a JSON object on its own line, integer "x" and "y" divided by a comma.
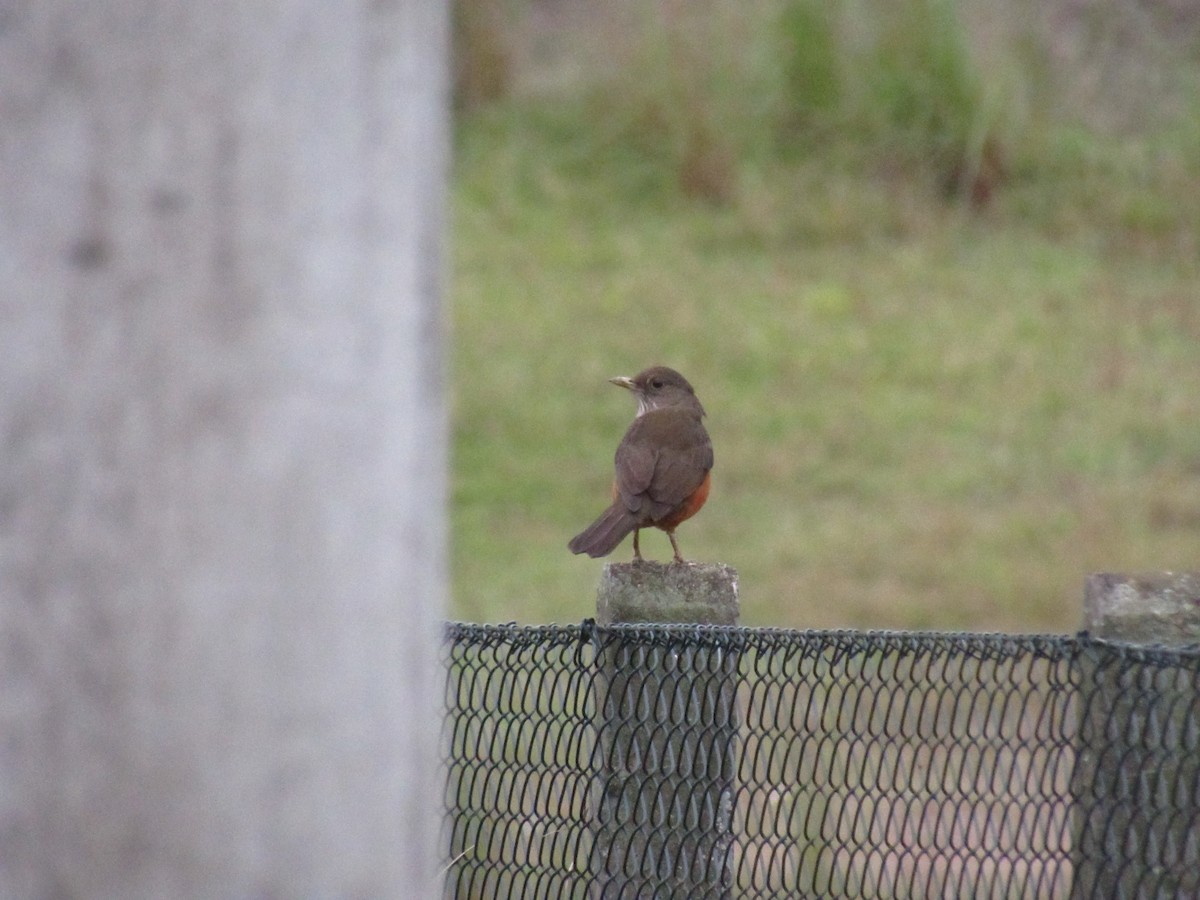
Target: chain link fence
{"x": 698, "y": 762}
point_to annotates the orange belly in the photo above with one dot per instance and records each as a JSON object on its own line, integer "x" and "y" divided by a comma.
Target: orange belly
{"x": 689, "y": 507}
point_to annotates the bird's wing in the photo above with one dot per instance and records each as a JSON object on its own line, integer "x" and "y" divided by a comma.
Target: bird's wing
{"x": 678, "y": 473}
{"x": 634, "y": 468}
{"x": 662, "y": 460}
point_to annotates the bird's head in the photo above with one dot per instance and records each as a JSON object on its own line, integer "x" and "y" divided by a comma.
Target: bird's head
{"x": 660, "y": 388}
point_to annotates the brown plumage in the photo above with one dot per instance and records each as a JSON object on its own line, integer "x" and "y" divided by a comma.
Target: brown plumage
{"x": 663, "y": 465}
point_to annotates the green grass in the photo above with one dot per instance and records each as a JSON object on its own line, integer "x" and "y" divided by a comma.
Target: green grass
{"x": 923, "y": 417}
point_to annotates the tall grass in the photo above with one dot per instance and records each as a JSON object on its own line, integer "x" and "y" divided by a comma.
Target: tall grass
{"x": 703, "y": 88}
{"x": 482, "y": 53}
{"x": 966, "y": 97}
{"x": 901, "y": 85}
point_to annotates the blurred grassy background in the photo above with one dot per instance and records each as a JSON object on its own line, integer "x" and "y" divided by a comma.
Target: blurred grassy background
{"x": 933, "y": 267}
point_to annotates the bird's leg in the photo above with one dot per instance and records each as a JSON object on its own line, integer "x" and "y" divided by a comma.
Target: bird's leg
{"x": 637, "y": 554}
{"x": 675, "y": 546}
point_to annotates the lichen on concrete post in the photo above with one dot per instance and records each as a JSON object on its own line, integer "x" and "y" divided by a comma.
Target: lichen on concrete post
{"x": 1137, "y": 774}
{"x": 667, "y": 729}
{"x": 688, "y": 594}
{"x": 1150, "y": 608}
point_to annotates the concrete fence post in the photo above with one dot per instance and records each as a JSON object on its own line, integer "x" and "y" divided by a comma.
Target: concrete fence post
{"x": 1137, "y": 773}
{"x": 667, "y": 734}
{"x": 222, "y": 497}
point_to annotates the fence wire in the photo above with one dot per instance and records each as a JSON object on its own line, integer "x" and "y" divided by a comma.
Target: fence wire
{"x": 699, "y": 762}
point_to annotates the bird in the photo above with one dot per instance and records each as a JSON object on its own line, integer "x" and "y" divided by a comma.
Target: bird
{"x": 663, "y": 465}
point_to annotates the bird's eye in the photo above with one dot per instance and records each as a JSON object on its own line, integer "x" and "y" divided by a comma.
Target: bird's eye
{"x": 656, "y": 383}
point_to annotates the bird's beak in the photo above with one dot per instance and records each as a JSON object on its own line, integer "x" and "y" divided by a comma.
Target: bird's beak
{"x": 623, "y": 381}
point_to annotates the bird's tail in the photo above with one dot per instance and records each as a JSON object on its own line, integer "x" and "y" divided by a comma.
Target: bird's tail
{"x": 602, "y": 536}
